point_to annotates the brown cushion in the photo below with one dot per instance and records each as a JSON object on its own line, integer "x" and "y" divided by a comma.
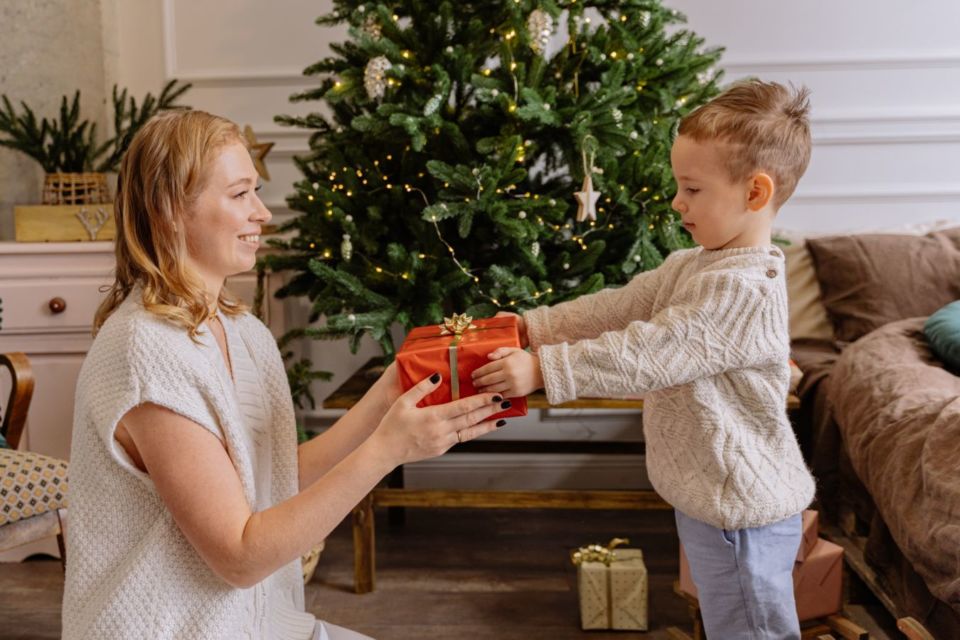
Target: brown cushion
{"x": 872, "y": 279}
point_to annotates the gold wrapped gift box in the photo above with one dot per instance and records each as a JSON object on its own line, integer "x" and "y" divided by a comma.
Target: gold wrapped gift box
{"x": 613, "y": 588}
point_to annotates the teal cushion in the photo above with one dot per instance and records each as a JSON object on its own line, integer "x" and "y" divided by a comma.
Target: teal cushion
{"x": 943, "y": 333}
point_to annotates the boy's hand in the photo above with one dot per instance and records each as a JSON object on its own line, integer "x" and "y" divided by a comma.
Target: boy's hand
{"x": 513, "y": 373}
{"x": 521, "y": 326}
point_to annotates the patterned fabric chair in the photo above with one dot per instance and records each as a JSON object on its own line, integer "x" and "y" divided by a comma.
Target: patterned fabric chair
{"x": 33, "y": 487}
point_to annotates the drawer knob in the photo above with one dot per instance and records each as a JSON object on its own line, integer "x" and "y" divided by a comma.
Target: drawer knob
{"x": 58, "y": 305}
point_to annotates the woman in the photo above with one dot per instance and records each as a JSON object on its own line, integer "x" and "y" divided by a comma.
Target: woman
{"x": 191, "y": 502}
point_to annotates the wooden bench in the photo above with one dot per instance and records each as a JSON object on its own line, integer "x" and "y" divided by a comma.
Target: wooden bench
{"x": 394, "y": 495}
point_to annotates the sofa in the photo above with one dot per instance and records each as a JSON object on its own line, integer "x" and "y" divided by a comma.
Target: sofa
{"x": 879, "y": 417}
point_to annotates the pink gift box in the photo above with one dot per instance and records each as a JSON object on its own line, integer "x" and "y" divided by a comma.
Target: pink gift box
{"x": 817, "y": 580}
{"x": 811, "y": 532}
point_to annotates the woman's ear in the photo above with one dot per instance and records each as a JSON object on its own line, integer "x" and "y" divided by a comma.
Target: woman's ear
{"x": 761, "y": 192}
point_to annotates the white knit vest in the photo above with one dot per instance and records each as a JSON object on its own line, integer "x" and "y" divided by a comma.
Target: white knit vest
{"x": 130, "y": 572}
{"x": 704, "y": 339}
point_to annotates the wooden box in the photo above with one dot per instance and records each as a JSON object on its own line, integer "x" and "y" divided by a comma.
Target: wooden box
{"x": 64, "y": 222}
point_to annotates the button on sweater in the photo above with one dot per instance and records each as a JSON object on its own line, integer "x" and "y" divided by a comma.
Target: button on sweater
{"x": 704, "y": 339}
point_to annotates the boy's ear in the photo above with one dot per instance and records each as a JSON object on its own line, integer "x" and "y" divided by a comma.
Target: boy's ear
{"x": 761, "y": 191}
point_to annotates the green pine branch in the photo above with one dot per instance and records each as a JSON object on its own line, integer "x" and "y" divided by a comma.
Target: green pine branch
{"x": 69, "y": 144}
{"x": 452, "y": 189}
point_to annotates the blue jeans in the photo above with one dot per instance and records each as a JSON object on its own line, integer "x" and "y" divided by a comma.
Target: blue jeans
{"x": 744, "y": 578}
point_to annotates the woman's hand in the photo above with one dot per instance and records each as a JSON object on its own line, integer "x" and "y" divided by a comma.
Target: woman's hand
{"x": 521, "y": 326}
{"x": 386, "y": 390}
{"x": 408, "y": 433}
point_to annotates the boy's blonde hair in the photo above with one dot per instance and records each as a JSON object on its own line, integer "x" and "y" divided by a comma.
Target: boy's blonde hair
{"x": 763, "y": 126}
{"x": 162, "y": 173}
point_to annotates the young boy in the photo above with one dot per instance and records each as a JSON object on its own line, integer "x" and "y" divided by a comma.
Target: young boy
{"x": 704, "y": 338}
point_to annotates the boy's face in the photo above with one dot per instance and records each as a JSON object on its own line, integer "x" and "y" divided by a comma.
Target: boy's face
{"x": 713, "y": 208}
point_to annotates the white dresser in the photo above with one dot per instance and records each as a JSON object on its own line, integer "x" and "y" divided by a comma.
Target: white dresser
{"x": 49, "y": 293}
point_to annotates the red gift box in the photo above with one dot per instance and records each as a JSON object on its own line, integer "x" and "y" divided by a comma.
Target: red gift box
{"x": 817, "y": 580}
{"x": 455, "y": 351}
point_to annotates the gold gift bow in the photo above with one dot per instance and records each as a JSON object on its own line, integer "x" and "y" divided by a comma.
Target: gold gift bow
{"x": 598, "y": 553}
{"x": 606, "y": 555}
{"x": 456, "y": 325}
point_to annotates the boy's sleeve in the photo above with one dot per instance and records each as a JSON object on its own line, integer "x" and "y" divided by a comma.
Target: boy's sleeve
{"x": 590, "y": 315}
{"x": 722, "y": 322}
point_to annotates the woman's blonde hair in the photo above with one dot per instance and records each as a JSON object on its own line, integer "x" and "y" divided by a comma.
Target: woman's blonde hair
{"x": 162, "y": 173}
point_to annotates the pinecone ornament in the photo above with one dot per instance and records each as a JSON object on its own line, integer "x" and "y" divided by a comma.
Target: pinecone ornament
{"x": 375, "y": 77}
{"x": 540, "y": 30}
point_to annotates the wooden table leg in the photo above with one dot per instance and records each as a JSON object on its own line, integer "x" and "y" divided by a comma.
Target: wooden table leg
{"x": 364, "y": 548}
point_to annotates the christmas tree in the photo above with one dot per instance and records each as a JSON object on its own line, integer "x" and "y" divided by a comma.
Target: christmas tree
{"x": 486, "y": 156}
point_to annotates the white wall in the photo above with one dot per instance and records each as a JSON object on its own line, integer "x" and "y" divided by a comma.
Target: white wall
{"x": 886, "y": 123}
{"x": 886, "y": 100}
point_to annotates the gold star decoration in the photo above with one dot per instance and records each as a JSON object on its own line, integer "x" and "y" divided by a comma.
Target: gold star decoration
{"x": 587, "y": 198}
{"x": 258, "y": 151}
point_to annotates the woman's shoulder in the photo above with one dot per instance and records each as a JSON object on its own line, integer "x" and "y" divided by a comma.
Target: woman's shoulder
{"x": 132, "y": 324}
{"x": 145, "y": 341}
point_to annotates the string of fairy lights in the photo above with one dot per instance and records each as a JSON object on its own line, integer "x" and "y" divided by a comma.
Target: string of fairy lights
{"x": 338, "y": 181}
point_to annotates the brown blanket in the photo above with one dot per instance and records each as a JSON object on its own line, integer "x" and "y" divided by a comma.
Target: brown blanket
{"x": 898, "y": 411}
{"x": 816, "y": 430}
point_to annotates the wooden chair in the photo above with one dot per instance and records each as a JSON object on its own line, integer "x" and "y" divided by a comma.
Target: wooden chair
{"x": 32, "y": 486}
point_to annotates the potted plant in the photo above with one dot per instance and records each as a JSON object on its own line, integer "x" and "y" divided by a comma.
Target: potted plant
{"x": 68, "y": 148}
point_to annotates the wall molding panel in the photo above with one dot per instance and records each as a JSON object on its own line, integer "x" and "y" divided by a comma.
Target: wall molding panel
{"x": 860, "y": 62}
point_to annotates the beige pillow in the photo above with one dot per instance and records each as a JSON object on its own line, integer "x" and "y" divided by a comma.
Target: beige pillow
{"x": 808, "y": 316}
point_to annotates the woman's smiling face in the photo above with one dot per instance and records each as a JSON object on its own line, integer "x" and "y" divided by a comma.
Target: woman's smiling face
{"x": 222, "y": 226}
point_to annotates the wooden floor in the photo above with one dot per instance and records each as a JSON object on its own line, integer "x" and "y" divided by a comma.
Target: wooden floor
{"x": 447, "y": 574}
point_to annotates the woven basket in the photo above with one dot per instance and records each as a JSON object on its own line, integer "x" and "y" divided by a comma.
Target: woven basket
{"x": 75, "y": 188}
{"x": 310, "y": 560}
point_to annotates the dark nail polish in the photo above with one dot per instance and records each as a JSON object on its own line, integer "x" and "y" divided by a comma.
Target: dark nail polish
{"x": 435, "y": 378}
{"x": 497, "y": 398}
{"x": 506, "y": 404}
{"x": 500, "y": 423}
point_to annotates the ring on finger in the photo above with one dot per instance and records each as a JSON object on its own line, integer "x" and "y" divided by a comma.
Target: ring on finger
{"x": 459, "y": 437}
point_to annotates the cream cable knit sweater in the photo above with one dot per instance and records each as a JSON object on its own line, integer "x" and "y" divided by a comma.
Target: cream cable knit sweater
{"x": 704, "y": 339}
{"x": 131, "y": 572}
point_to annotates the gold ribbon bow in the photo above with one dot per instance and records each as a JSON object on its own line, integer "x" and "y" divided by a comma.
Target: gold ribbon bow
{"x": 598, "y": 553}
{"x": 457, "y": 325}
